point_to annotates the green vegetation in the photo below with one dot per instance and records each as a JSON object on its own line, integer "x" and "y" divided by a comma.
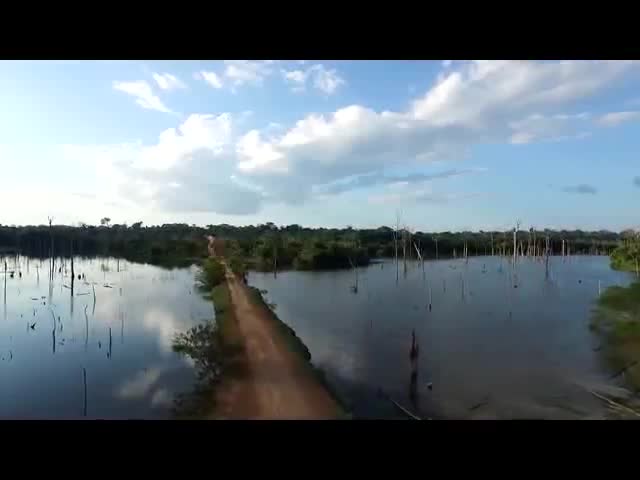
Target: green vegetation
{"x": 617, "y": 319}
{"x": 216, "y": 348}
{"x": 169, "y": 246}
{"x": 211, "y": 274}
{"x": 627, "y": 255}
{"x": 265, "y": 247}
{"x": 268, "y": 247}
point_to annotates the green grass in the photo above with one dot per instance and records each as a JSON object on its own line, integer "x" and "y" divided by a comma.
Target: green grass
{"x": 617, "y": 320}
{"x": 622, "y": 299}
{"x": 623, "y": 264}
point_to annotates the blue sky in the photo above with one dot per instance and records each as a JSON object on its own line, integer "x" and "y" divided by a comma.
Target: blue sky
{"x": 451, "y": 144}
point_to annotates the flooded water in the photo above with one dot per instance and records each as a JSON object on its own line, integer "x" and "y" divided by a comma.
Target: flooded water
{"x": 65, "y": 356}
{"x": 494, "y": 344}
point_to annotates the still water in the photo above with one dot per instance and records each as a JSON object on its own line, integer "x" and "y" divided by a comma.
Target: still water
{"x": 487, "y": 349}
{"x": 50, "y": 341}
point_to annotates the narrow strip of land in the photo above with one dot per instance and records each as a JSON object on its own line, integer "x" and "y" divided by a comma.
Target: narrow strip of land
{"x": 279, "y": 385}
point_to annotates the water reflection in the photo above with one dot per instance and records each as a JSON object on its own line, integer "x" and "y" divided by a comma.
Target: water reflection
{"x": 515, "y": 351}
{"x": 202, "y": 345}
{"x": 102, "y": 349}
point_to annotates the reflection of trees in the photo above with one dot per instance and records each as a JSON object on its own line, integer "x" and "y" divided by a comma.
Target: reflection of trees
{"x": 202, "y": 344}
{"x": 216, "y": 352}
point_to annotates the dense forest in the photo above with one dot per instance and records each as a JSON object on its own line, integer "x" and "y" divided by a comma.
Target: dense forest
{"x": 268, "y": 246}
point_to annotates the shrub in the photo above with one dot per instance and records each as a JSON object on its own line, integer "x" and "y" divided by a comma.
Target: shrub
{"x": 212, "y": 273}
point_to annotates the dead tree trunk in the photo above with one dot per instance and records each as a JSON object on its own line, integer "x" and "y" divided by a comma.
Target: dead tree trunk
{"x": 354, "y": 288}
{"x": 420, "y": 257}
{"x": 51, "y": 262}
{"x": 515, "y": 245}
{"x": 404, "y": 249}
{"x": 73, "y": 274}
{"x": 546, "y": 273}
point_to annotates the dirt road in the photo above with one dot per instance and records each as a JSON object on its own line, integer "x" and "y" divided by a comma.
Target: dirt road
{"x": 279, "y": 384}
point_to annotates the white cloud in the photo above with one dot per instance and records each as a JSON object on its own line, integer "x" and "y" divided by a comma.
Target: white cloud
{"x": 447, "y": 63}
{"x": 219, "y": 169}
{"x": 241, "y": 72}
{"x": 188, "y": 169}
{"x": 481, "y": 101}
{"x": 558, "y": 127}
{"x": 143, "y": 94}
{"x": 212, "y": 78}
{"x": 494, "y": 89}
{"x": 521, "y": 138}
{"x": 168, "y": 82}
{"x": 326, "y": 80}
{"x": 616, "y": 118}
{"x": 296, "y": 79}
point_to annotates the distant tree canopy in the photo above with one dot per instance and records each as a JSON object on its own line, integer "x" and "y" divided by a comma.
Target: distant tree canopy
{"x": 267, "y": 246}
{"x": 169, "y": 245}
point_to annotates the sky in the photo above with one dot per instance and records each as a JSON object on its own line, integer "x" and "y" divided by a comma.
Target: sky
{"x": 449, "y": 145}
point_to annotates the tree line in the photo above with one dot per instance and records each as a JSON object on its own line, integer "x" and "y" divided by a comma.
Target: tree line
{"x": 267, "y": 246}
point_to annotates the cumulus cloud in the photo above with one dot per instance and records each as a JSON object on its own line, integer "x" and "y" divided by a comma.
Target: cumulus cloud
{"x": 325, "y": 80}
{"x": 616, "y": 118}
{"x": 207, "y": 164}
{"x": 168, "y": 82}
{"x": 582, "y": 189}
{"x": 190, "y": 168}
{"x": 142, "y": 92}
{"x": 211, "y": 78}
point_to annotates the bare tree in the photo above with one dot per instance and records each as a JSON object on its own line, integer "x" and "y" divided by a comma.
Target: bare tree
{"x": 51, "y": 261}
{"x": 515, "y": 245}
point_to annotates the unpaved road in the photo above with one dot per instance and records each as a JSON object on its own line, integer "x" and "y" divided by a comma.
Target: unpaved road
{"x": 279, "y": 384}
